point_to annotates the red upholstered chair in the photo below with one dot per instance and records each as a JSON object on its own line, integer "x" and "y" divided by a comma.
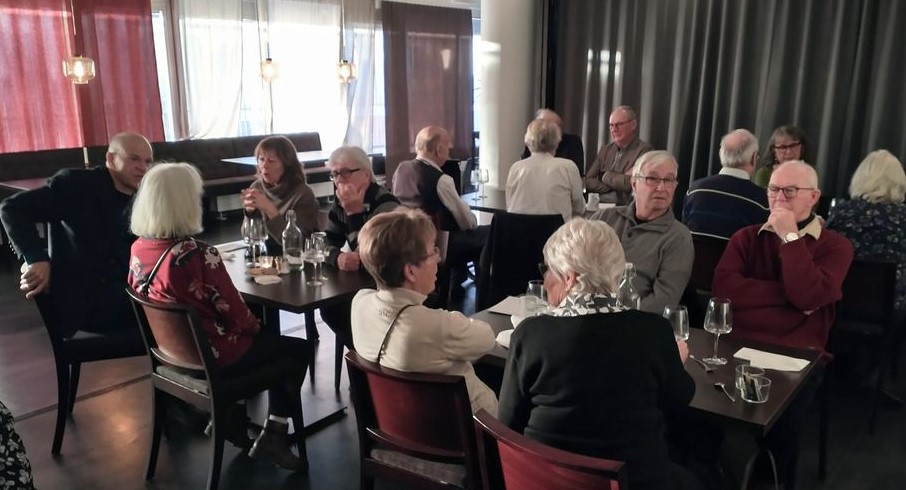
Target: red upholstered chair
{"x": 512, "y": 461}
{"x": 414, "y": 429}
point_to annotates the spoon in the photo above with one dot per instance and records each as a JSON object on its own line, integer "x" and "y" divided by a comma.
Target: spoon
{"x": 721, "y": 386}
{"x": 707, "y": 367}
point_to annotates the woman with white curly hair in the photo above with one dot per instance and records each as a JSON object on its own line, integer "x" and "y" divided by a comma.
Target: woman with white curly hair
{"x": 591, "y": 376}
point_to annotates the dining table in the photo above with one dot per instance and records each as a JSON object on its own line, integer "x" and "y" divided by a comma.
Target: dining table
{"x": 709, "y": 401}
{"x": 494, "y": 200}
{"x": 292, "y": 294}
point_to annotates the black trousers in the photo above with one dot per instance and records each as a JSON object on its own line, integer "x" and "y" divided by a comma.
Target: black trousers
{"x": 265, "y": 350}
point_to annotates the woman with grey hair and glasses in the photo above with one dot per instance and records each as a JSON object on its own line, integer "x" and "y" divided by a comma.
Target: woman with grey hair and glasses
{"x": 590, "y": 376}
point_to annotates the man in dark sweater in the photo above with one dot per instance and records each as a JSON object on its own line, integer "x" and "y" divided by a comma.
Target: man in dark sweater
{"x": 719, "y": 205}
{"x": 87, "y": 212}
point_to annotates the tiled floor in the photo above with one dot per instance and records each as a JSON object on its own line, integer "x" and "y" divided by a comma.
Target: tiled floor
{"x": 106, "y": 442}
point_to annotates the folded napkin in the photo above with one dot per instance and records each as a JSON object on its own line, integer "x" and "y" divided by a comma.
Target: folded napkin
{"x": 267, "y": 279}
{"x": 510, "y": 305}
{"x": 503, "y": 338}
{"x": 768, "y": 360}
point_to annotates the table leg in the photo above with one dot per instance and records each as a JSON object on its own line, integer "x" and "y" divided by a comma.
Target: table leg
{"x": 750, "y": 466}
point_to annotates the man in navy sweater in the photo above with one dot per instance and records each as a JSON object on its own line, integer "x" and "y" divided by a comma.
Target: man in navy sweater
{"x": 721, "y": 204}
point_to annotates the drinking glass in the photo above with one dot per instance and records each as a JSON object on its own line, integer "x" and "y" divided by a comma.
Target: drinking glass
{"x": 254, "y": 233}
{"x": 679, "y": 319}
{"x": 320, "y": 239}
{"x": 484, "y": 177}
{"x": 535, "y": 298}
{"x": 315, "y": 255}
{"x": 718, "y": 320}
{"x": 476, "y": 181}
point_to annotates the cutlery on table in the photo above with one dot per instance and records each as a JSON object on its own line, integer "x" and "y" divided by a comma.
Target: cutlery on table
{"x": 721, "y": 386}
{"x": 706, "y": 366}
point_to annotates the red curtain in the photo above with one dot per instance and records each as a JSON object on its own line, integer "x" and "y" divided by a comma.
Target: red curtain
{"x": 41, "y": 109}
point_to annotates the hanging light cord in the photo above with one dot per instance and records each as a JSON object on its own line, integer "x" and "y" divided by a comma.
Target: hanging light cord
{"x": 72, "y": 13}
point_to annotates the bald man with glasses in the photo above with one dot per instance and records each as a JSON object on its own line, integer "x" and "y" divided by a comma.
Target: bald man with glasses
{"x": 657, "y": 243}
{"x": 611, "y": 172}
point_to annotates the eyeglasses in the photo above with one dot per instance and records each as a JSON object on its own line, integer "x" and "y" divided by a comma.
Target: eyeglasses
{"x": 787, "y": 147}
{"x": 788, "y": 192}
{"x": 615, "y": 125}
{"x": 656, "y": 181}
{"x": 344, "y": 173}
{"x": 543, "y": 268}
{"x": 435, "y": 251}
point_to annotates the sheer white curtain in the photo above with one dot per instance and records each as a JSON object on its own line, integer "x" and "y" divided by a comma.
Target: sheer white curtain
{"x": 305, "y": 40}
{"x": 210, "y": 65}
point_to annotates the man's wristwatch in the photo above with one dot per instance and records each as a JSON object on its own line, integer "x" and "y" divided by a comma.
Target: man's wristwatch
{"x": 790, "y": 237}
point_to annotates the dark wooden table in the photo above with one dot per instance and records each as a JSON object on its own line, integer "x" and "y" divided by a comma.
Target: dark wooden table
{"x": 757, "y": 419}
{"x": 292, "y": 294}
{"x": 494, "y": 202}
{"x": 24, "y": 184}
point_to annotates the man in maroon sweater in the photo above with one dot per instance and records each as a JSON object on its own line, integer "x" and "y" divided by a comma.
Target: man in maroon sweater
{"x": 785, "y": 276}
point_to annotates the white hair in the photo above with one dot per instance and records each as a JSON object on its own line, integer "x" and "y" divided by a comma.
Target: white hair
{"x": 168, "y": 202}
{"x": 811, "y": 173}
{"x": 737, "y": 148}
{"x": 589, "y": 248}
{"x": 879, "y": 178}
{"x": 542, "y": 136}
{"x": 351, "y": 154}
{"x": 651, "y": 158}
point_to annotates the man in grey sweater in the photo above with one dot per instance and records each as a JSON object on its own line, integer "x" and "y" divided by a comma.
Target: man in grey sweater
{"x": 659, "y": 245}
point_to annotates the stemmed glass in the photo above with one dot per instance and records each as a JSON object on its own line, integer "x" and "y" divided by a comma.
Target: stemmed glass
{"x": 679, "y": 319}
{"x": 718, "y": 320}
{"x": 314, "y": 253}
{"x": 254, "y": 234}
{"x": 484, "y": 177}
{"x": 320, "y": 239}
{"x": 476, "y": 180}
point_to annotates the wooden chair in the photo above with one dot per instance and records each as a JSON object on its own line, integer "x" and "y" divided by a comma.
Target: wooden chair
{"x": 183, "y": 367}
{"x": 512, "y": 461}
{"x": 511, "y": 255}
{"x": 70, "y": 351}
{"x": 414, "y": 429}
{"x": 867, "y": 313}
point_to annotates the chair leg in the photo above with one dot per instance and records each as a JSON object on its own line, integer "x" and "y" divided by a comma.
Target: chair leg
{"x": 218, "y": 415}
{"x": 299, "y": 426}
{"x": 63, "y": 398}
{"x": 159, "y": 413}
{"x": 75, "y": 372}
{"x": 338, "y": 363}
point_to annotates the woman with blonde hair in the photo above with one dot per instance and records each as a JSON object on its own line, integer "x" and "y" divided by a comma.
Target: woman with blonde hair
{"x": 591, "y": 376}
{"x": 874, "y": 219}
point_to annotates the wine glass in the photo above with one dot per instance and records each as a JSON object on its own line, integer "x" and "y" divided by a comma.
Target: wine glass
{"x": 484, "y": 177}
{"x": 535, "y": 298}
{"x": 315, "y": 255}
{"x": 476, "y": 181}
{"x": 718, "y": 320}
{"x": 254, "y": 233}
{"x": 679, "y": 319}
{"x": 320, "y": 239}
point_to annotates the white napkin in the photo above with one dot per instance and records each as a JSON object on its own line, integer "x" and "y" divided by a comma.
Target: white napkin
{"x": 267, "y": 279}
{"x": 503, "y": 338}
{"x": 510, "y": 305}
{"x": 516, "y": 320}
{"x": 768, "y": 360}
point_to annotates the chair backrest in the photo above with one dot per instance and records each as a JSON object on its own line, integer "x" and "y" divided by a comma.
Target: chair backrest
{"x": 173, "y": 335}
{"x": 511, "y": 255}
{"x": 869, "y": 291}
{"x": 426, "y": 416}
{"x": 512, "y": 461}
{"x": 707, "y": 254}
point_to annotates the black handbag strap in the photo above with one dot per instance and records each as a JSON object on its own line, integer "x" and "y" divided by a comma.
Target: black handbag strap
{"x": 387, "y": 335}
{"x": 145, "y": 285}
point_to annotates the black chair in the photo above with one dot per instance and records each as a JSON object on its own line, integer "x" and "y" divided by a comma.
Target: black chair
{"x": 414, "y": 428}
{"x": 708, "y": 251}
{"x": 511, "y": 255}
{"x": 183, "y": 367}
{"x": 70, "y": 351}
{"x": 867, "y": 313}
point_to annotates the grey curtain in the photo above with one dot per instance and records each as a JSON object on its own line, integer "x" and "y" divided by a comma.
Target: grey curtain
{"x": 696, "y": 69}
{"x": 428, "y": 76}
